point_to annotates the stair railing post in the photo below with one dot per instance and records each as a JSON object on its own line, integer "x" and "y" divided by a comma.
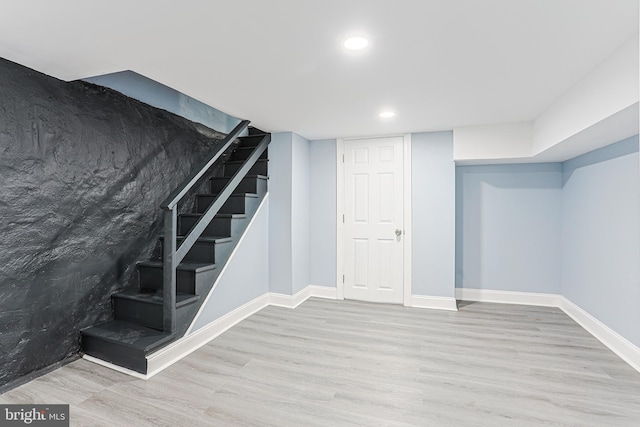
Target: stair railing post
{"x": 169, "y": 270}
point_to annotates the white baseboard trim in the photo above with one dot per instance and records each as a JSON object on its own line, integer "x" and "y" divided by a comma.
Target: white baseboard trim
{"x": 323, "y": 292}
{"x": 438, "y": 303}
{"x": 186, "y": 345}
{"x": 292, "y": 301}
{"x": 508, "y": 297}
{"x": 289, "y": 301}
{"x": 627, "y": 351}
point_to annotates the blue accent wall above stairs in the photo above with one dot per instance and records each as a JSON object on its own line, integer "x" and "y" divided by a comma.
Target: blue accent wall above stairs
{"x": 158, "y": 95}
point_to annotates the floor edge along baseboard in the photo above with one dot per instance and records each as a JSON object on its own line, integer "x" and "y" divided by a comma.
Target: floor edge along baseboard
{"x": 179, "y": 349}
{"x": 622, "y": 347}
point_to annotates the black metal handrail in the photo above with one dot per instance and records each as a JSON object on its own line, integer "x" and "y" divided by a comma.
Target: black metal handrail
{"x": 177, "y": 194}
{"x": 173, "y": 254}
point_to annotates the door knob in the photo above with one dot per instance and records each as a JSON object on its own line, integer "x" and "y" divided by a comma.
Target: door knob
{"x": 398, "y": 232}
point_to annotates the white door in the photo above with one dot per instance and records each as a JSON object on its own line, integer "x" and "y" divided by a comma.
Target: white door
{"x": 373, "y": 219}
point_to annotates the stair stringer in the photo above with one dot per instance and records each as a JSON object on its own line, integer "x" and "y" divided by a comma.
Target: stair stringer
{"x": 244, "y": 278}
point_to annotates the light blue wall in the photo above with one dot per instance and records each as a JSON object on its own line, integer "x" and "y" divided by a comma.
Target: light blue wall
{"x": 323, "y": 212}
{"x": 508, "y": 227}
{"x": 158, "y": 95}
{"x": 246, "y": 275}
{"x": 280, "y": 181}
{"x": 601, "y": 236}
{"x": 433, "y": 212}
{"x": 300, "y": 222}
{"x": 289, "y": 218}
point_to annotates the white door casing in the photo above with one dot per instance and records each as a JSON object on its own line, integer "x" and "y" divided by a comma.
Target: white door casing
{"x": 372, "y": 238}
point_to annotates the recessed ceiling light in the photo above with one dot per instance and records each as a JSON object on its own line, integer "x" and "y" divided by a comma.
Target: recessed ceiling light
{"x": 387, "y": 114}
{"x": 356, "y": 43}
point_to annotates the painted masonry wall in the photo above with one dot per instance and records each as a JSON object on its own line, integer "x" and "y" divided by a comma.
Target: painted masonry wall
{"x": 601, "y": 236}
{"x": 83, "y": 171}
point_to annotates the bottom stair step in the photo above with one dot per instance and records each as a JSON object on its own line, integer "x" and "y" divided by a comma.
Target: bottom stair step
{"x": 123, "y": 343}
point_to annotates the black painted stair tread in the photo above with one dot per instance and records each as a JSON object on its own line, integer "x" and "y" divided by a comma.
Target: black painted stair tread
{"x": 193, "y": 267}
{"x": 129, "y": 334}
{"x": 206, "y": 239}
{"x": 258, "y": 176}
{"x": 252, "y": 195}
{"x": 239, "y": 162}
{"x": 256, "y": 131}
{"x": 197, "y": 215}
{"x": 155, "y": 296}
{"x": 246, "y": 177}
{"x": 252, "y": 138}
{"x": 211, "y": 239}
{"x": 226, "y": 178}
{"x": 243, "y": 153}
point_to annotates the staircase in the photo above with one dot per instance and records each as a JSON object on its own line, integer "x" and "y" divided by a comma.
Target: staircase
{"x": 194, "y": 248}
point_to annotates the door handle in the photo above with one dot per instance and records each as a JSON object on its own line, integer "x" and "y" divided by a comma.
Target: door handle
{"x": 398, "y": 232}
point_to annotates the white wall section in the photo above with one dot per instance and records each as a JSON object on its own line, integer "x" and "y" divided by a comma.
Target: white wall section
{"x": 599, "y": 109}
{"x": 608, "y": 89}
{"x": 510, "y": 141}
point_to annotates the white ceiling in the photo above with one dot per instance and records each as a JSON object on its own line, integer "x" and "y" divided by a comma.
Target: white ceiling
{"x": 439, "y": 64}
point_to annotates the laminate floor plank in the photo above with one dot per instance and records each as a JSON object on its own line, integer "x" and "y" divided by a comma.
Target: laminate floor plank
{"x": 349, "y": 363}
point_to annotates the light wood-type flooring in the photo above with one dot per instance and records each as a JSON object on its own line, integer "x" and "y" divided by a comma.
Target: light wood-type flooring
{"x": 344, "y": 363}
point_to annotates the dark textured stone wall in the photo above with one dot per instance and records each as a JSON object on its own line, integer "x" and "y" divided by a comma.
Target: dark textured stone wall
{"x": 83, "y": 170}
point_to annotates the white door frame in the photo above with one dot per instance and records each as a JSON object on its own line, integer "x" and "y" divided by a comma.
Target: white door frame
{"x": 406, "y": 232}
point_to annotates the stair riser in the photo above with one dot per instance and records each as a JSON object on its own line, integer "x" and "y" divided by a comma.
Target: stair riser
{"x": 249, "y": 141}
{"x": 259, "y": 168}
{"x": 117, "y": 354}
{"x": 233, "y": 205}
{"x": 205, "y": 252}
{"x": 248, "y": 185}
{"x": 244, "y": 153}
{"x": 151, "y": 278}
{"x": 219, "y": 227}
{"x": 142, "y": 313}
{"x": 188, "y": 282}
